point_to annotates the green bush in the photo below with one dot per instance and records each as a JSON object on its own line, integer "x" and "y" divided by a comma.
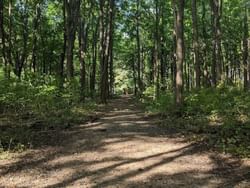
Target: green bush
{"x": 37, "y": 104}
{"x": 221, "y": 115}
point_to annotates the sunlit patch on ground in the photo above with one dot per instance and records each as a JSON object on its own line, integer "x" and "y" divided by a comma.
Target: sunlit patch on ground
{"x": 123, "y": 149}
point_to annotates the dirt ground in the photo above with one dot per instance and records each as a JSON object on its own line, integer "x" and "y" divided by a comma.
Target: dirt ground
{"x": 123, "y": 148}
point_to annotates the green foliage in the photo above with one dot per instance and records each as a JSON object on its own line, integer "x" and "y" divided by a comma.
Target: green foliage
{"x": 164, "y": 103}
{"x": 122, "y": 80}
{"x": 36, "y": 104}
{"x": 219, "y": 117}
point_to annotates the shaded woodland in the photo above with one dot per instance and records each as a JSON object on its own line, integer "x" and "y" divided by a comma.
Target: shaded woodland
{"x": 187, "y": 62}
{"x": 115, "y": 93}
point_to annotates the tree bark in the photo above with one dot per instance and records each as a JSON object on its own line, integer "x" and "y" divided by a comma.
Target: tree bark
{"x": 21, "y": 55}
{"x": 72, "y": 15}
{"x": 94, "y": 59}
{"x": 104, "y": 45}
{"x": 83, "y": 45}
{"x": 10, "y": 63}
{"x": 196, "y": 44}
{"x": 2, "y": 39}
{"x": 245, "y": 49}
{"x": 173, "y": 63}
{"x": 61, "y": 64}
{"x": 179, "y": 51}
{"x": 216, "y": 54}
{"x": 138, "y": 43}
{"x": 156, "y": 52}
{"x": 35, "y": 35}
{"x": 110, "y": 53}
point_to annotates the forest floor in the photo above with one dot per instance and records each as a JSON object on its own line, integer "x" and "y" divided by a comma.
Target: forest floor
{"x": 123, "y": 147}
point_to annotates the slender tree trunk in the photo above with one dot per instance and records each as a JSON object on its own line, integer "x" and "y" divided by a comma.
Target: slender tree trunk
{"x": 245, "y": 50}
{"x": 2, "y": 39}
{"x": 61, "y": 65}
{"x": 72, "y": 14}
{"x": 82, "y": 39}
{"x": 134, "y": 75}
{"x": 1, "y": 23}
{"x": 156, "y": 52}
{"x": 179, "y": 51}
{"x": 9, "y": 64}
{"x": 196, "y": 44}
{"x": 216, "y": 56}
{"x": 206, "y": 76}
{"x": 138, "y": 43}
{"x": 35, "y": 35}
{"x": 111, "y": 41}
{"x": 174, "y": 55}
{"x": 104, "y": 48}
{"x": 248, "y": 65}
{"x": 94, "y": 59}
{"x": 162, "y": 47}
{"x": 21, "y": 59}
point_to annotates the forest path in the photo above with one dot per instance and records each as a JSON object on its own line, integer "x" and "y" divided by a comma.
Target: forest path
{"x": 124, "y": 148}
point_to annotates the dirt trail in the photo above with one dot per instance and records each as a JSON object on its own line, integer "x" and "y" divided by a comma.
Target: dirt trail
{"x": 124, "y": 148}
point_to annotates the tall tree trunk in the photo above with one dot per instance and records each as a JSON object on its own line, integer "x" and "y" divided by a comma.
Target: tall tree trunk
{"x": 156, "y": 52}
{"x": 10, "y": 63}
{"x": 35, "y": 35}
{"x": 206, "y": 75}
{"x": 174, "y": 55}
{"x": 83, "y": 45}
{"x": 94, "y": 59}
{"x": 245, "y": 49}
{"x": 138, "y": 43}
{"x": 134, "y": 74}
{"x": 62, "y": 58}
{"x": 163, "y": 66}
{"x": 2, "y": 39}
{"x": 196, "y": 44}
{"x": 83, "y": 35}
{"x": 111, "y": 41}
{"x": 104, "y": 46}
{"x": 248, "y": 65}
{"x": 72, "y": 14}
{"x": 21, "y": 56}
{"x": 216, "y": 6}
{"x": 179, "y": 51}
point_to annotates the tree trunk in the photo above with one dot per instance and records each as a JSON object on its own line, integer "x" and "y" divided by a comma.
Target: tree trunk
{"x": 61, "y": 65}
{"x": 110, "y": 53}
{"x": 173, "y": 63}
{"x": 94, "y": 59}
{"x": 72, "y": 15}
{"x": 179, "y": 51}
{"x": 104, "y": 46}
{"x": 10, "y": 63}
{"x": 35, "y": 35}
{"x": 245, "y": 50}
{"x": 163, "y": 66}
{"x": 196, "y": 44}
{"x": 82, "y": 41}
{"x": 2, "y": 39}
{"x": 156, "y": 52}
{"x": 138, "y": 43}
{"x": 21, "y": 56}
{"x": 216, "y": 54}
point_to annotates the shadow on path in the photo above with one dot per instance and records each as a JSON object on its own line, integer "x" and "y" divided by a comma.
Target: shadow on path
{"x": 123, "y": 149}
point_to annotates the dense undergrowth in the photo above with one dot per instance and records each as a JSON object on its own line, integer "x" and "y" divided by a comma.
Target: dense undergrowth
{"x": 35, "y": 105}
{"x": 219, "y": 117}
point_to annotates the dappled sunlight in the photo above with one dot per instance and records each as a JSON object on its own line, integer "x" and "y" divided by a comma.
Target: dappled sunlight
{"x": 117, "y": 149}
